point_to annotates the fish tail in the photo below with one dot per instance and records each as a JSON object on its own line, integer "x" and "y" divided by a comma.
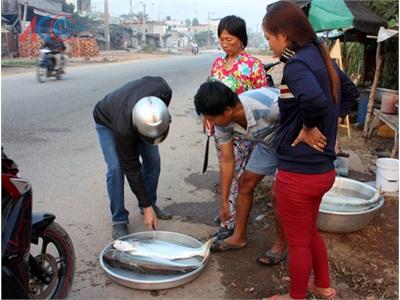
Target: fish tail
{"x": 206, "y": 248}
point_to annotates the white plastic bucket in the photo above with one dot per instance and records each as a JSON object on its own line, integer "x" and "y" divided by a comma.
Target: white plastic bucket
{"x": 387, "y": 174}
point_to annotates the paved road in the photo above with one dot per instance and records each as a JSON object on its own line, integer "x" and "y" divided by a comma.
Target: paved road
{"x": 48, "y": 130}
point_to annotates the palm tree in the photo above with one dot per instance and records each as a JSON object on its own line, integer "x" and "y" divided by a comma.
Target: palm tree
{"x": 140, "y": 16}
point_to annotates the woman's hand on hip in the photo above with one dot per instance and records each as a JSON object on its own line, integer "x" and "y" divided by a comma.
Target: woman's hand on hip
{"x": 312, "y": 137}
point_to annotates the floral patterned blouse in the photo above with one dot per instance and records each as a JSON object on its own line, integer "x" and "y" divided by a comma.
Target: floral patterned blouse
{"x": 246, "y": 73}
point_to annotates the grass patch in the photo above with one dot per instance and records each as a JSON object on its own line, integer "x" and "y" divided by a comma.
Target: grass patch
{"x": 256, "y": 51}
{"x": 18, "y": 63}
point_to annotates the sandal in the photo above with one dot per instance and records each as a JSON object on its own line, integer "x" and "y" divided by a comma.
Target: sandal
{"x": 223, "y": 233}
{"x": 271, "y": 258}
{"x": 222, "y": 246}
{"x": 312, "y": 288}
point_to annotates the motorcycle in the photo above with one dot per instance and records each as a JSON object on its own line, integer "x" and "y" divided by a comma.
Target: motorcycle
{"x": 38, "y": 258}
{"x": 195, "y": 50}
{"x": 46, "y": 66}
{"x": 267, "y": 68}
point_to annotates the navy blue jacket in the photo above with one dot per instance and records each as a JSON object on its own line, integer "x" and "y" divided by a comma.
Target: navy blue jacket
{"x": 308, "y": 101}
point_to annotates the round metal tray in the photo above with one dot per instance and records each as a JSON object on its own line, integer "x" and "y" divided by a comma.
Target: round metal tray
{"x": 137, "y": 280}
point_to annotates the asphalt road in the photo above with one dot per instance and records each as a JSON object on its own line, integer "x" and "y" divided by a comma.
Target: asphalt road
{"x": 48, "y": 130}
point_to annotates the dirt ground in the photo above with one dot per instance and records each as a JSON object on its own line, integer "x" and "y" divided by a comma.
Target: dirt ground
{"x": 103, "y": 57}
{"x": 363, "y": 264}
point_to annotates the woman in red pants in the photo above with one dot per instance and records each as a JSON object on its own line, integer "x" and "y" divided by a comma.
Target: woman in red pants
{"x": 314, "y": 93}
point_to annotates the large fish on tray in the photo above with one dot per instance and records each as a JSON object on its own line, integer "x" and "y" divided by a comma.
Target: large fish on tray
{"x": 153, "y": 248}
{"x": 148, "y": 265}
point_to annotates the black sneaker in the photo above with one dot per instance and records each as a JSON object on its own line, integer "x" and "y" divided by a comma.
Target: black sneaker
{"x": 163, "y": 215}
{"x": 119, "y": 230}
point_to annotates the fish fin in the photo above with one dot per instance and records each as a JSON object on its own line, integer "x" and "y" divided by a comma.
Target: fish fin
{"x": 206, "y": 249}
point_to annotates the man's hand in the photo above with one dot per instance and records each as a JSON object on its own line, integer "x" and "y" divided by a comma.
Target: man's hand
{"x": 208, "y": 127}
{"x": 224, "y": 212}
{"x": 150, "y": 218}
{"x": 312, "y": 137}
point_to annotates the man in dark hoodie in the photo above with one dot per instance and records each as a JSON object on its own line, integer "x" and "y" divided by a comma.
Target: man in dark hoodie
{"x": 130, "y": 121}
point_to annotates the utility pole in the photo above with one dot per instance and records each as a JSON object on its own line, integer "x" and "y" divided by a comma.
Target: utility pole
{"x": 106, "y": 25}
{"x": 144, "y": 23}
{"x": 208, "y": 30}
{"x": 130, "y": 10}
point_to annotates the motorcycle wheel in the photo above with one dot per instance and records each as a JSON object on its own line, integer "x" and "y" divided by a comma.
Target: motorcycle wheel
{"x": 55, "y": 253}
{"x": 41, "y": 74}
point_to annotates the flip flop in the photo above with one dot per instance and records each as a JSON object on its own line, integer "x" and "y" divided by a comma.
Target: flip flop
{"x": 272, "y": 257}
{"x": 222, "y": 246}
{"x": 312, "y": 288}
{"x": 223, "y": 233}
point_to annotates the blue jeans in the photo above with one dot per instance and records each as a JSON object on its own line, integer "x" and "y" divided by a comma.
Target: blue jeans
{"x": 150, "y": 158}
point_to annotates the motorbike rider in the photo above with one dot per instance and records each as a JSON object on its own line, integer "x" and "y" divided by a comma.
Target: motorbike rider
{"x": 130, "y": 122}
{"x": 195, "y": 47}
{"x": 57, "y": 48}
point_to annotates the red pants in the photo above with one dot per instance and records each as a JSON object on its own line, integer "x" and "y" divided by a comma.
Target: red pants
{"x": 298, "y": 197}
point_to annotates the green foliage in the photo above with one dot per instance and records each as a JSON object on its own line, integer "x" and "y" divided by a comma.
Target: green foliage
{"x": 201, "y": 38}
{"x": 68, "y": 8}
{"x": 18, "y": 63}
{"x": 390, "y": 72}
{"x": 353, "y": 58}
{"x": 187, "y": 22}
{"x": 140, "y": 16}
{"x": 149, "y": 48}
{"x": 388, "y": 10}
{"x": 195, "y": 22}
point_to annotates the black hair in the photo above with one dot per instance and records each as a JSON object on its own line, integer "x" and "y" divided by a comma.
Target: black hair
{"x": 213, "y": 98}
{"x": 235, "y": 26}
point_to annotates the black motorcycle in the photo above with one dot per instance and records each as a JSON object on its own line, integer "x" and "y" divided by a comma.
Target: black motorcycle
{"x": 46, "y": 66}
{"x": 267, "y": 68}
{"x": 38, "y": 258}
{"x": 195, "y": 50}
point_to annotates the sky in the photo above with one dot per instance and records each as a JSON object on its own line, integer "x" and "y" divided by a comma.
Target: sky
{"x": 252, "y": 11}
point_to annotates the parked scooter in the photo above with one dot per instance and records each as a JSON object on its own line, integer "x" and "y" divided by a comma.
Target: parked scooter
{"x": 46, "y": 66}
{"x": 267, "y": 68}
{"x": 38, "y": 258}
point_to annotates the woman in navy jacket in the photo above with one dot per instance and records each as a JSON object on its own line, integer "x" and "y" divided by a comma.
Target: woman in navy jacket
{"x": 314, "y": 94}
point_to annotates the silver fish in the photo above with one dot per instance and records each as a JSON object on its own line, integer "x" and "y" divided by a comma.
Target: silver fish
{"x": 343, "y": 203}
{"x": 148, "y": 265}
{"x": 161, "y": 249}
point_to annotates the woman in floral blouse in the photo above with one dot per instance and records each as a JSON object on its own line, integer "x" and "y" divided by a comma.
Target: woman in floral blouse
{"x": 240, "y": 72}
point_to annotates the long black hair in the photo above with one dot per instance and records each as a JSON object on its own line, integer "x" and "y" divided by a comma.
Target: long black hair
{"x": 285, "y": 16}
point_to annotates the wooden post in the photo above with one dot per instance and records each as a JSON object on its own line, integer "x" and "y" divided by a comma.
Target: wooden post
{"x": 24, "y": 16}
{"x": 371, "y": 99}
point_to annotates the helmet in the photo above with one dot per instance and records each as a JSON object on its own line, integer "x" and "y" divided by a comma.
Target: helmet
{"x": 151, "y": 118}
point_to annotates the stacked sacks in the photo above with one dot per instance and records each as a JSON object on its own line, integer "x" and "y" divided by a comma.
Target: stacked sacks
{"x": 83, "y": 47}
{"x": 29, "y": 45}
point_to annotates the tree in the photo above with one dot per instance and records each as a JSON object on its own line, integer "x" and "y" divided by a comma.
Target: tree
{"x": 139, "y": 16}
{"x": 195, "y": 22}
{"x": 201, "y": 38}
{"x": 68, "y": 8}
{"x": 388, "y": 10}
{"x": 188, "y": 22}
{"x": 168, "y": 18}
